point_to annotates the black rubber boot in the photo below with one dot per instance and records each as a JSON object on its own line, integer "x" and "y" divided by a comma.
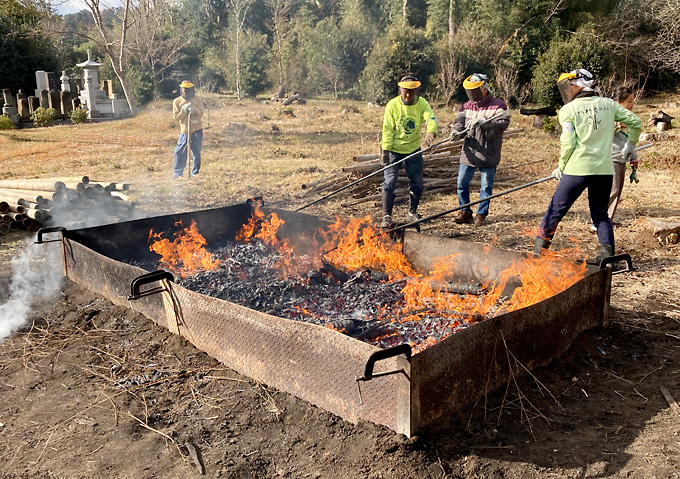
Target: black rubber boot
{"x": 606, "y": 251}
{"x": 540, "y": 245}
{"x": 387, "y": 205}
{"x": 414, "y": 200}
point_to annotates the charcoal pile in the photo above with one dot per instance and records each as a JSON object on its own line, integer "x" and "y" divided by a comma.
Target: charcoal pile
{"x": 440, "y": 173}
{"x": 363, "y": 304}
{"x": 68, "y": 202}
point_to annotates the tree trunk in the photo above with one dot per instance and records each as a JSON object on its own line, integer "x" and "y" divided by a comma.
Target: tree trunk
{"x": 405, "y": 12}
{"x": 453, "y": 27}
{"x": 238, "y": 65}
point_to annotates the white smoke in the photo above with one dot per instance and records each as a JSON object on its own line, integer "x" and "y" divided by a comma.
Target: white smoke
{"x": 36, "y": 279}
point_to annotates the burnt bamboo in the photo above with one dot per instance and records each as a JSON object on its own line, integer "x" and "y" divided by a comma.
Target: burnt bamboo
{"x": 14, "y": 225}
{"x": 4, "y": 207}
{"x": 117, "y": 194}
{"x": 37, "y": 215}
{"x": 5, "y": 219}
{"x": 16, "y": 216}
{"x": 4, "y": 228}
{"x": 28, "y": 223}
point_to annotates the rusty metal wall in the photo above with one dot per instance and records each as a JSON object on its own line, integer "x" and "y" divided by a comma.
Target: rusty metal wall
{"x": 476, "y": 360}
{"x": 309, "y": 361}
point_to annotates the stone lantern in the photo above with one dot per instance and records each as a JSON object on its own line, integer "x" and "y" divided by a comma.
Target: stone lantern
{"x": 91, "y": 81}
{"x": 65, "y": 85}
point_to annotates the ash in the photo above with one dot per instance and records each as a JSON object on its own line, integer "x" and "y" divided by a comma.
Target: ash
{"x": 364, "y": 304}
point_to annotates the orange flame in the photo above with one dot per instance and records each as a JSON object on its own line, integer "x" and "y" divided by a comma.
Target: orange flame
{"x": 185, "y": 255}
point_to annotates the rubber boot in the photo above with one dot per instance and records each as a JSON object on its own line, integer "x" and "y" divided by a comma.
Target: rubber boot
{"x": 540, "y": 245}
{"x": 605, "y": 252}
{"x": 413, "y": 207}
{"x": 387, "y": 205}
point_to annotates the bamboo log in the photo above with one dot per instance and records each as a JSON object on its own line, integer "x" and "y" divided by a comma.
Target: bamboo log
{"x": 15, "y": 209}
{"x": 36, "y": 184}
{"x": 28, "y": 223}
{"x": 37, "y": 215}
{"x": 11, "y": 198}
{"x": 4, "y": 228}
{"x": 29, "y": 195}
{"x": 120, "y": 186}
{"x": 325, "y": 179}
{"x": 368, "y": 157}
{"x": 117, "y": 194}
{"x": 5, "y": 219}
{"x": 4, "y": 206}
{"x": 16, "y": 216}
{"x": 14, "y": 225}
{"x": 30, "y": 205}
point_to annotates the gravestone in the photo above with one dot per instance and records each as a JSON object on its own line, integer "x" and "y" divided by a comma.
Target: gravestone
{"x": 109, "y": 89}
{"x": 73, "y": 87}
{"x": 64, "y": 79}
{"x": 33, "y": 104}
{"x": 66, "y": 103}
{"x": 20, "y": 95}
{"x": 55, "y": 102}
{"x": 41, "y": 82}
{"x": 53, "y": 81}
{"x": 44, "y": 96}
{"x": 24, "y": 109}
{"x": 7, "y": 96}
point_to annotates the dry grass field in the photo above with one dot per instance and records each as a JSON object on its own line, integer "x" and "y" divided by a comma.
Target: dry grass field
{"x": 61, "y": 417}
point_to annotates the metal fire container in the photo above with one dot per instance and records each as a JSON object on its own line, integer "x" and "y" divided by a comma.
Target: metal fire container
{"x": 348, "y": 377}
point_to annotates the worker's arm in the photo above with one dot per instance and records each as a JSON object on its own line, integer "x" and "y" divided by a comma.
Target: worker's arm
{"x": 631, "y": 120}
{"x": 567, "y": 138}
{"x": 177, "y": 112}
{"x": 459, "y": 122}
{"x": 197, "y": 107}
{"x": 500, "y": 124}
{"x": 430, "y": 120}
{"x": 388, "y": 129}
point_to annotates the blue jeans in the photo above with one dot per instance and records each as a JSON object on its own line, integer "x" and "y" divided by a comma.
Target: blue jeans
{"x": 567, "y": 192}
{"x": 465, "y": 174}
{"x": 181, "y": 152}
{"x": 414, "y": 171}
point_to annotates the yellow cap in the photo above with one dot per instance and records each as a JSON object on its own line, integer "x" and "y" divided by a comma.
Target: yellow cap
{"x": 409, "y": 85}
{"x": 566, "y": 76}
{"x": 186, "y": 84}
{"x": 468, "y": 84}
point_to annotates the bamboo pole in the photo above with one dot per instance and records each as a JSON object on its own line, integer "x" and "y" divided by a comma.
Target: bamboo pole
{"x": 15, "y": 209}
{"x": 312, "y": 184}
{"x": 4, "y": 206}
{"x": 37, "y": 215}
{"x": 4, "y": 228}
{"x": 368, "y": 157}
{"x": 37, "y": 184}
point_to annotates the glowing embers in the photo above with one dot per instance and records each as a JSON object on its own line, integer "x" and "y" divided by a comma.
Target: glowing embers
{"x": 358, "y": 281}
{"x": 186, "y": 254}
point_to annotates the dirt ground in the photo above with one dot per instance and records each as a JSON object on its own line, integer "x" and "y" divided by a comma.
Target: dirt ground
{"x": 92, "y": 390}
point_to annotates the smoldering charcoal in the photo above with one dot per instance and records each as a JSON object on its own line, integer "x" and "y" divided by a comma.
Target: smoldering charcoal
{"x": 362, "y": 304}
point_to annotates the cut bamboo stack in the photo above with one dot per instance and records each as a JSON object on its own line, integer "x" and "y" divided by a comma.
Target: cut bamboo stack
{"x": 69, "y": 202}
{"x": 440, "y": 172}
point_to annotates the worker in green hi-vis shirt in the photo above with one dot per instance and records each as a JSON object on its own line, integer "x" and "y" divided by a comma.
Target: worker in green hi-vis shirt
{"x": 401, "y": 137}
{"x": 588, "y": 122}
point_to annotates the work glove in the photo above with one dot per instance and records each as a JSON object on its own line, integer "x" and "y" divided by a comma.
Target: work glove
{"x": 557, "y": 173}
{"x": 627, "y": 151}
{"x": 191, "y": 110}
{"x": 185, "y": 107}
{"x": 429, "y": 139}
{"x": 633, "y": 175}
{"x": 456, "y": 135}
{"x": 472, "y": 124}
{"x": 385, "y": 158}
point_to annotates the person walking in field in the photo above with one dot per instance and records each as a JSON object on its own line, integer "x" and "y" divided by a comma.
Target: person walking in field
{"x": 626, "y": 98}
{"x": 187, "y": 109}
{"x": 588, "y": 122}
{"x": 482, "y": 145}
{"x": 401, "y": 137}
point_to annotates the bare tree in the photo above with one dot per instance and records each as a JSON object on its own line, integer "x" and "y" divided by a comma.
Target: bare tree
{"x": 505, "y": 78}
{"x": 116, "y": 51}
{"x": 240, "y": 10}
{"x": 450, "y": 73}
{"x": 153, "y": 40}
{"x": 279, "y": 25}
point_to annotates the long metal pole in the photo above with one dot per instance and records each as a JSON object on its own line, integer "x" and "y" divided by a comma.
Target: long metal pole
{"x": 392, "y": 165}
{"x": 189, "y": 166}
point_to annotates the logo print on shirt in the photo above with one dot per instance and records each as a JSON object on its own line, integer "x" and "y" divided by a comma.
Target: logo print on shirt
{"x": 408, "y": 125}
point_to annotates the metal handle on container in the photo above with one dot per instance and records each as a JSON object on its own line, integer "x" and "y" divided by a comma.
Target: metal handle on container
{"x": 152, "y": 277}
{"x": 404, "y": 349}
{"x": 52, "y": 229}
{"x": 611, "y": 260}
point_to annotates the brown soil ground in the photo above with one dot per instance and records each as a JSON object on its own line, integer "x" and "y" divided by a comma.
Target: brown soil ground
{"x": 92, "y": 390}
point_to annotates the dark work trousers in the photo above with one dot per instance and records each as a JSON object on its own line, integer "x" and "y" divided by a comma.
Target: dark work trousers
{"x": 181, "y": 153}
{"x": 567, "y": 192}
{"x": 414, "y": 171}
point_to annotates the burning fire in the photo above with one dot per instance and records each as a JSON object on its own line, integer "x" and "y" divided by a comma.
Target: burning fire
{"x": 186, "y": 254}
{"x": 357, "y": 245}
